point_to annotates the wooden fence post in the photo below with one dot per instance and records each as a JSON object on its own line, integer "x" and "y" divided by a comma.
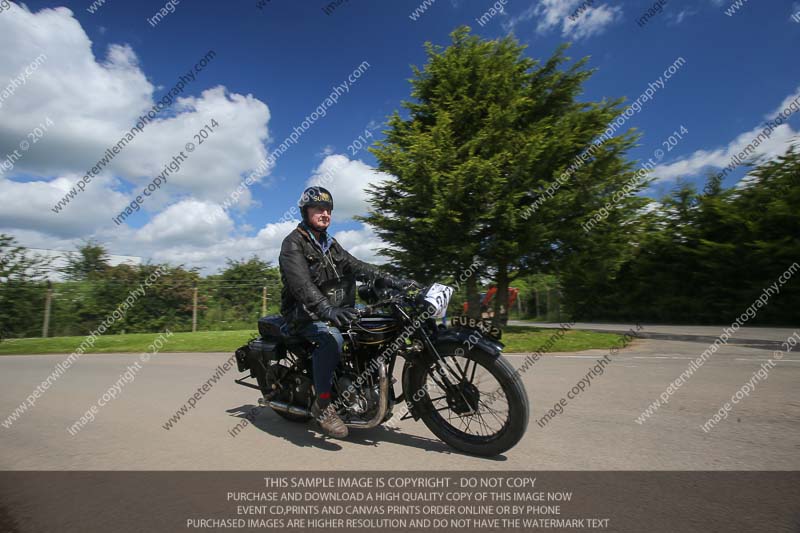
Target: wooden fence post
{"x": 47, "y": 303}
{"x": 194, "y": 308}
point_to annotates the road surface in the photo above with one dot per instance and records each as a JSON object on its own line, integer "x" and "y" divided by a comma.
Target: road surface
{"x": 597, "y": 430}
{"x": 758, "y": 337}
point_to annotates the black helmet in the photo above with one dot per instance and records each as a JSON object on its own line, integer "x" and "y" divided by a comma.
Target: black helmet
{"x": 315, "y": 196}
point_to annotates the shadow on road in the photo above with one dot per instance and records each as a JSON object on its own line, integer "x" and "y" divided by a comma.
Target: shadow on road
{"x": 308, "y": 434}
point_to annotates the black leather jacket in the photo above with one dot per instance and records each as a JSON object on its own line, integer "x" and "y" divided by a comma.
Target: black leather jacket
{"x": 313, "y": 282}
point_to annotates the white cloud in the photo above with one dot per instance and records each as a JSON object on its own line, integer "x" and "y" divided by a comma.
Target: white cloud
{"x": 173, "y": 238}
{"x": 525, "y": 16}
{"x": 93, "y": 103}
{"x": 787, "y": 107}
{"x": 347, "y": 180}
{"x": 28, "y": 206}
{"x": 187, "y": 222}
{"x": 219, "y": 162}
{"x": 576, "y": 18}
{"x": 362, "y": 243}
{"x": 703, "y": 160}
{"x": 265, "y": 244}
{"x": 676, "y": 19}
{"x": 591, "y": 22}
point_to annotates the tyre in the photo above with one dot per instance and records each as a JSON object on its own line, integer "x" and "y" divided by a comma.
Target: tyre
{"x": 486, "y": 414}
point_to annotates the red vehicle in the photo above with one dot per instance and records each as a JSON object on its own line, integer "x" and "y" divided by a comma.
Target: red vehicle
{"x": 487, "y": 306}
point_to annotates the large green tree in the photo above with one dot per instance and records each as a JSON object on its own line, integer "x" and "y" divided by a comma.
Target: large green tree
{"x": 487, "y": 132}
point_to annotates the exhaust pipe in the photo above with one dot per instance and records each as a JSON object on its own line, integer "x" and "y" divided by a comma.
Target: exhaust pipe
{"x": 383, "y": 403}
{"x": 291, "y": 409}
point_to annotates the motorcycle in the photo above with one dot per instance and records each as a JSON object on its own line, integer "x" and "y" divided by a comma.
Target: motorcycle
{"x": 454, "y": 379}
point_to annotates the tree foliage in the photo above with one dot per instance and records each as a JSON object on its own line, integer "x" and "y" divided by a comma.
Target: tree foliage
{"x": 238, "y": 287}
{"x": 22, "y": 289}
{"x": 90, "y": 262}
{"x": 487, "y": 132}
{"x": 705, "y": 257}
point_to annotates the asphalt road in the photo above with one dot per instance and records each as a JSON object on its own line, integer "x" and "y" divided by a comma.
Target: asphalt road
{"x": 597, "y": 430}
{"x": 757, "y": 337}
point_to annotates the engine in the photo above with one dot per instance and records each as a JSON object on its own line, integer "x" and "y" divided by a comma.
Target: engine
{"x": 357, "y": 399}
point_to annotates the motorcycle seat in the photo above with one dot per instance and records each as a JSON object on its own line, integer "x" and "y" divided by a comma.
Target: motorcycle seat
{"x": 274, "y": 327}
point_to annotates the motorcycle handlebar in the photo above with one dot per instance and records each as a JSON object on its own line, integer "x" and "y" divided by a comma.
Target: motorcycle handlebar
{"x": 392, "y": 296}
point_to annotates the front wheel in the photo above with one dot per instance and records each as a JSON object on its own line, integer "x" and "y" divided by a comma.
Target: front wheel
{"x": 477, "y": 405}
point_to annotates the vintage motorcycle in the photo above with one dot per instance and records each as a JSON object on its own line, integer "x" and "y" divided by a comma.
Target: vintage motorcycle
{"x": 453, "y": 378}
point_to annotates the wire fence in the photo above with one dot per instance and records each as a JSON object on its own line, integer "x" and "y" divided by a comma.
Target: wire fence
{"x": 74, "y": 308}
{"x": 543, "y": 305}
{"x": 68, "y": 309}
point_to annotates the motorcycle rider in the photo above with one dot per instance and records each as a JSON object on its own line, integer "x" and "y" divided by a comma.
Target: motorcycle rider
{"x": 318, "y": 293}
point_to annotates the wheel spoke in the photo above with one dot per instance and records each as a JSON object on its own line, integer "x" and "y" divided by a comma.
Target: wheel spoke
{"x": 474, "y": 368}
{"x": 438, "y": 383}
{"x": 493, "y": 413}
{"x": 446, "y": 366}
{"x": 478, "y": 416}
{"x": 468, "y": 422}
{"x": 489, "y": 417}
{"x": 463, "y": 372}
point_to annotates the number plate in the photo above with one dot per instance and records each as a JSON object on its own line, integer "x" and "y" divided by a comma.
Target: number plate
{"x": 484, "y": 326}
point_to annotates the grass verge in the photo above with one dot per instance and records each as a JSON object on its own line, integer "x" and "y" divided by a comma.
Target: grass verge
{"x": 516, "y": 339}
{"x": 521, "y": 339}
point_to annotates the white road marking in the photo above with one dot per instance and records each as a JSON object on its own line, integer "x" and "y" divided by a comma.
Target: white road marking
{"x": 556, "y": 356}
{"x": 773, "y": 360}
{"x": 625, "y": 357}
{"x": 662, "y": 357}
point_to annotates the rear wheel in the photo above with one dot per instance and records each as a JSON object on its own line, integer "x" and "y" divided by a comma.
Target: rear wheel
{"x": 486, "y": 412}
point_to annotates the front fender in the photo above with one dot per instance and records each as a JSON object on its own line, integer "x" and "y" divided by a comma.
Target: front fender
{"x": 470, "y": 338}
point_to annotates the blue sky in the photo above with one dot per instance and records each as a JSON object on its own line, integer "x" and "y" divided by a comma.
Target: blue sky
{"x": 275, "y": 65}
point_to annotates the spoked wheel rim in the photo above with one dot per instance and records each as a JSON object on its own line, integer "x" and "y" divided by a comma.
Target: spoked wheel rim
{"x": 478, "y": 410}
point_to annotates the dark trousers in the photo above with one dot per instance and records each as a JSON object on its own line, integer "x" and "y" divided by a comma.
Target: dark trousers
{"x": 329, "y": 342}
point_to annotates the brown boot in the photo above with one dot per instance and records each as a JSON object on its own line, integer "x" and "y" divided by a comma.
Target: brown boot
{"x": 329, "y": 421}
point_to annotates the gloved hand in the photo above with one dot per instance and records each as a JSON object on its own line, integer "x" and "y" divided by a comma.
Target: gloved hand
{"x": 339, "y": 316}
{"x": 399, "y": 283}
